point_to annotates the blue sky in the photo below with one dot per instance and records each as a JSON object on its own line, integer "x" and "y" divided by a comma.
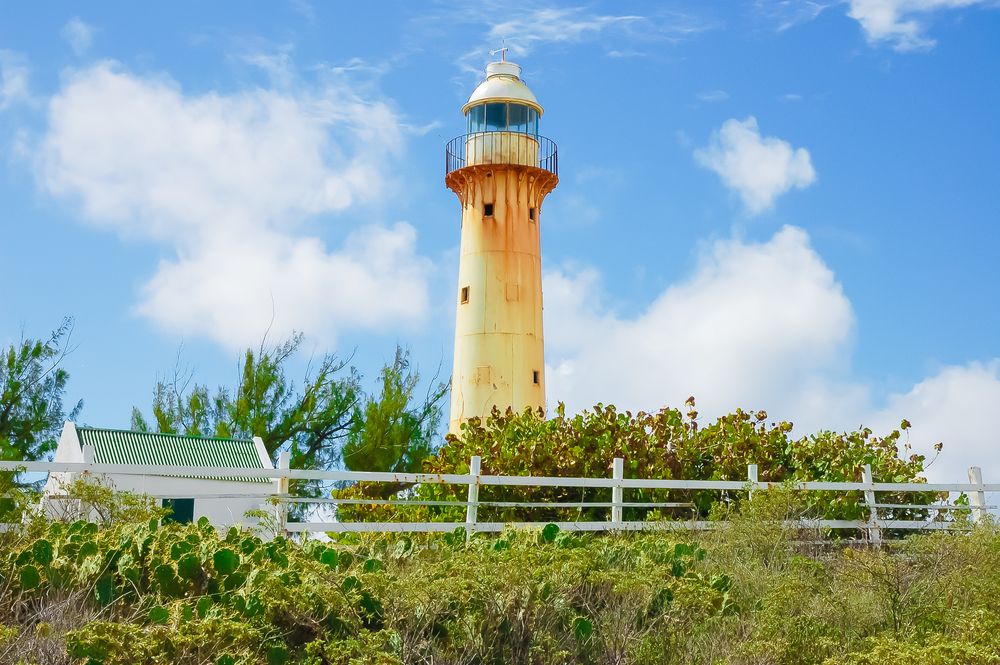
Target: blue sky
{"x": 773, "y": 204}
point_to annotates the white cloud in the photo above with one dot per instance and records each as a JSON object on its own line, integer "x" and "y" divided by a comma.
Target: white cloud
{"x": 757, "y": 324}
{"x": 14, "y": 73}
{"x": 556, "y": 25}
{"x": 529, "y": 27}
{"x": 230, "y": 290}
{"x": 759, "y": 168}
{"x": 625, "y": 53}
{"x": 78, "y": 34}
{"x": 956, "y": 406}
{"x": 786, "y": 14}
{"x": 899, "y": 23}
{"x": 713, "y": 96}
{"x": 222, "y": 182}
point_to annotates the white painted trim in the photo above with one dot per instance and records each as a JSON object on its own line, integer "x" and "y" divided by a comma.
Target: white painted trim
{"x": 265, "y": 459}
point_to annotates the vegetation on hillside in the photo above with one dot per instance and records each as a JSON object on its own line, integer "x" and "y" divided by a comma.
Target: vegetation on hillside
{"x": 130, "y": 590}
{"x": 128, "y": 586}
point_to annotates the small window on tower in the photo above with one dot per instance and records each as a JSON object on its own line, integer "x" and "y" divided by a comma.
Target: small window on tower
{"x": 535, "y": 378}
{"x": 531, "y": 214}
{"x": 487, "y": 210}
{"x": 465, "y": 294}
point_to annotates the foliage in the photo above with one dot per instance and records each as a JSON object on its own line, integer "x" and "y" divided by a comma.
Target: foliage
{"x": 132, "y": 590}
{"x": 32, "y": 387}
{"x": 310, "y": 421}
{"x": 15, "y": 499}
{"x": 95, "y": 500}
{"x": 142, "y": 592}
{"x": 393, "y": 431}
{"x": 664, "y": 445}
{"x": 325, "y": 421}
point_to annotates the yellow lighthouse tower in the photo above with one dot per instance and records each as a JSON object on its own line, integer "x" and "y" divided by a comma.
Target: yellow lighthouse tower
{"x": 501, "y": 170}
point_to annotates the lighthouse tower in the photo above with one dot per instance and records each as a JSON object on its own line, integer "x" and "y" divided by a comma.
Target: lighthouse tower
{"x": 501, "y": 170}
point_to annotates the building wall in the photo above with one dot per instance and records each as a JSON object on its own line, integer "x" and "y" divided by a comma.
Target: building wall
{"x": 223, "y": 510}
{"x": 499, "y": 343}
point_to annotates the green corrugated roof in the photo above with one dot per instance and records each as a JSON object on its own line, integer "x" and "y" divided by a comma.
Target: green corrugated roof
{"x": 113, "y": 446}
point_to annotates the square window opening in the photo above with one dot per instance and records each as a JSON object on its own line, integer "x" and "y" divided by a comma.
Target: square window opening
{"x": 465, "y": 295}
{"x": 181, "y": 510}
{"x": 531, "y": 214}
{"x": 535, "y": 378}
{"x": 487, "y": 210}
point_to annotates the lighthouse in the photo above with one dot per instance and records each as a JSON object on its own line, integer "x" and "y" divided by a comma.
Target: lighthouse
{"x": 501, "y": 169}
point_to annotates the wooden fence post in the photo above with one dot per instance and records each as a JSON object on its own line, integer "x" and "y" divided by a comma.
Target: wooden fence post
{"x": 752, "y": 477}
{"x": 618, "y": 474}
{"x": 285, "y": 463}
{"x": 874, "y": 529}
{"x": 472, "y": 507}
{"x": 977, "y": 499}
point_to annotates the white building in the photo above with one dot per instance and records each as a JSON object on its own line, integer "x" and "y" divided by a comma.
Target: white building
{"x": 224, "y": 501}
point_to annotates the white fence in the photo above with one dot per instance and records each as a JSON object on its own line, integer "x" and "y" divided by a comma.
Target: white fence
{"x": 874, "y": 526}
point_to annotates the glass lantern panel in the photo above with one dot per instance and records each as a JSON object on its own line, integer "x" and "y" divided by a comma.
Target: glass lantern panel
{"x": 477, "y": 120}
{"x": 517, "y": 118}
{"x": 496, "y": 117}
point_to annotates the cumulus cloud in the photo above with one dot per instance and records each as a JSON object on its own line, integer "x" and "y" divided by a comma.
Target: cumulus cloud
{"x": 223, "y": 182}
{"x": 956, "y": 406}
{"x": 756, "y": 324}
{"x": 758, "y": 168}
{"x": 760, "y": 326}
{"x": 230, "y": 290}
{"x": 14, "y": 73}
{"x": 78, "y": 34}
{"x": 902, "y": 23}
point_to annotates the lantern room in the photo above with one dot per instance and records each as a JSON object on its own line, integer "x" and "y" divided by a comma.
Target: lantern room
{"x": 502, "y": 102}
{"x": 502, "y": 117}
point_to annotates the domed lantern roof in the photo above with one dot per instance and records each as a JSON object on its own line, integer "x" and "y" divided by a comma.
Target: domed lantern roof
{"x": 503, "y": 84}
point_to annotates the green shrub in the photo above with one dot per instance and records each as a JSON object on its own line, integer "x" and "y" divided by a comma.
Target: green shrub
{"x": 752, "y": 591}
{"x": 668, "y": 444}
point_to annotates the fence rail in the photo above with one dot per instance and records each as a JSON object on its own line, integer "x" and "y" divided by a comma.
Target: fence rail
{"x": 874, "y": 526}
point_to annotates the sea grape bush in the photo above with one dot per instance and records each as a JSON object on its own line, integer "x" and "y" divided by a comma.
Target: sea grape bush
{"x": 667, "y": 444}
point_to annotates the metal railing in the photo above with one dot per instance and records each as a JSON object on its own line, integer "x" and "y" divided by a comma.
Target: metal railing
{"x": 501, "y": 148}
{"x": 878, "y": 521}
